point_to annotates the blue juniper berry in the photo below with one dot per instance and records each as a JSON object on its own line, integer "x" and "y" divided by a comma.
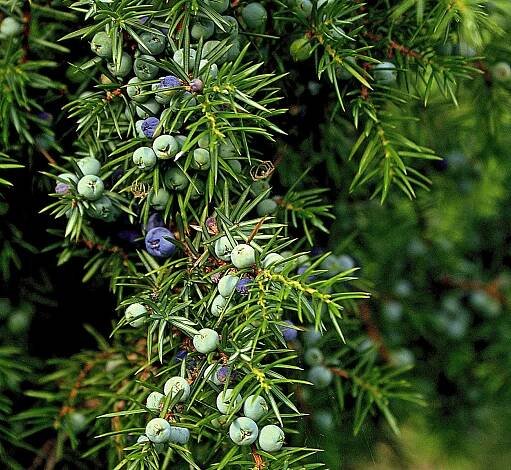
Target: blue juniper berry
{"x": 149, "y": 126}
{"x": 157, "y": 242}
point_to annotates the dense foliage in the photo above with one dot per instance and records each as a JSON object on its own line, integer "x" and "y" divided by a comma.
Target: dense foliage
{"x": 283, "y": 226}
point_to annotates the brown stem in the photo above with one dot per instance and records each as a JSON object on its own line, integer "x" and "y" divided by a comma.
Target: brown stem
{"x": 373, "y": 331}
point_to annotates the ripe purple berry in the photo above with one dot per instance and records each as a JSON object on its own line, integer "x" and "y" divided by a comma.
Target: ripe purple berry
{"x": 196, "y": 85}
{"x": 288, "y": 332}
{"x": 243, "y": 286}
{"x": 157, "y": 242}
{"x": 149, "y": 126}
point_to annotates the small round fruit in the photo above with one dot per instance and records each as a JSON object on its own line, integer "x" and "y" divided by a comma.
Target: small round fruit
{"x": 201, "y": 159}
{"x": 311, "y": 337}
{"x": 89, "y": 166}
{"x": 165, "y": 146}
{"x": 271, "y": 438}
{"x": 273, "y": 260}
{"x": 227, "y": 285}
{"x": 154, "y": 401}
{"x": 159, "y": 199}
{"x": 179, "y": 435}
{"x": 145, "y": 67}
{"x": 218, "y": 305}
{"x": 206, "y": 340}
{"x": 243, "y": 286}
{"x": 300, "y": 49}
{"x": 501, "y": 72}
{"x": 150, "y": 108}
{"x": 218, "y": 5}
{"x": 144, "y": 158}
{"x": 255, "y": 407}
{"x": 313, "y": 357}
{"x": 320, "y": 376}
{"x": 223, "y": 248}
{"x": 227, "y": 402}
{"x": 266, "y": 207}
{"x": 227, "y": 150}
{"x": 135, "y": 90}
{"x": 235, "y": 165}
{"x": 10, "y": 27}
{"x": 136, "y": 315}
{"x": 243, "y": 256}
{"x": 259, "y": 186}
{"x": 203, "y": 28}
{"x": 197, "y": 188}
{"x": 385, "y": 73}
{"x": 77, "y": 422}
{"x": 152, "y": 43}
{"x": 149, "y": 126}
{"x": 122, "y": 68}
{"x": 208, "y": 47}
{"x": 91, "y": 187}
{"x": 177, "y": 385}
{"x": 158, "y": 244}
{"x": 243, "y": 431}
{"x": 230, "y": 29}
{"x": 305, "y": 6}
{"x": 158, "y": 430}
{"x": 101, "y": 45}
{"x": 255, "y": 15}
{"x": 289, "y": 332}
{"x": 211, "y": 374}
{"x": 142, "y": 439}
{"x": 175, "y": 179}
{"x": 179, "y": 57}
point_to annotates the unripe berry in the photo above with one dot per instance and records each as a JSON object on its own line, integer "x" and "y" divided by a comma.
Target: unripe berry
{"x": 235, "y": 166}
{"x": 101, "y": 45}
{"x": 208, "y": 47}
{"x": 243, "y": 256}
{"x": 154, "y": 401}
{"x": 150, "y": 108}
{"x": 90, "y": 187}
{"x": 203, "y": 28}
{"x": 273, "y": 260}
{"x": 135, "y": 91}
{"x": 227, "y": 150}
{"x": 103, "y": 209}
{"x": 305, "y": 6}
{"x": 159, "y": 199}
{"x": 218, "y": 305}
{"x": 179, "y": 435}
{"x": 144, "y": 158}
{"x": 123, "y": 67}
{"x": 153, "y": 43}
{"x": 165, "y": 146}
{"x": 385, "y": 73}
{"x": 145, "y": 67}
{"x": 311, "y": 337}
{"x": 177, "y": 386}
{"x": 206, "y": 340}
{"x": 313, "y": 357}
{"x": 197, "y": 188}
{"x": 392, "y": 310}
{"x": 266, "y": 207}
{"x": 255, "y": 407}
{"x": 226, "y": 401}
{"x": 233, "y": 52}
{"x": 175, "y": 179}
{"x": 158, "y": 430}
{"x": 158, "y": 242}
{"x": 218, "y": 5}
{"x": 223, "y": 248}
{"x": 201, "y": 159}
{"x": 227, "y": 285}
{"x": 300, "y": 49}
{"x": 136, "y": 315}
{"x": 10, "y": 27}
{"x": 259, "y": 186}
{"x": 255, "y": 15}
{"x": 231, "y": 29}
{"x": 243, "y": 431}
{"x": 271, "y": 438}
{"x": 320, "y": 376}
{"x": 89, "y": 166}
{"x": 501, "y": 72}
{"x": 77, "y": 422}
{"x": 179, "y": 57}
